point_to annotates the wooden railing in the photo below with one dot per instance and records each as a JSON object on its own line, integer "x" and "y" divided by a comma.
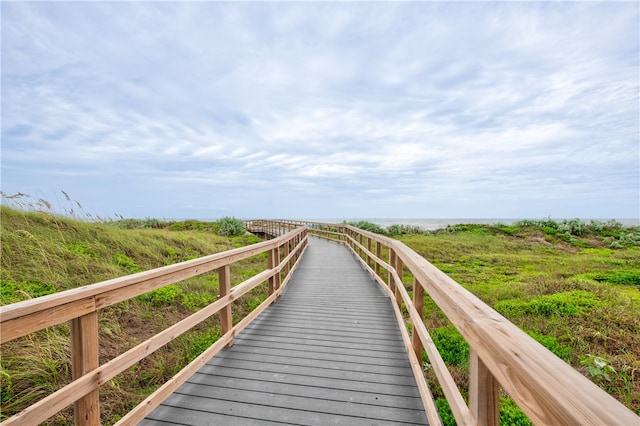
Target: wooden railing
{"x": 548, "y": 390}
{"x": 273, "y": 228}
{"x": 80, "y": 307}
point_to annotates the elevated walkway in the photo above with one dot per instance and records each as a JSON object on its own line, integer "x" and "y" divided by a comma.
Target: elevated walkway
{"x": 328, "y": 352}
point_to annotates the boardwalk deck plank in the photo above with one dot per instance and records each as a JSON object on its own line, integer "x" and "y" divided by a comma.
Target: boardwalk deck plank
{"x": 336, "y": 363}
{"x": 328, "y": 352}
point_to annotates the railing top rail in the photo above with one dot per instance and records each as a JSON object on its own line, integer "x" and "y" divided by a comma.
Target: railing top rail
{"x": 301, "y": 221}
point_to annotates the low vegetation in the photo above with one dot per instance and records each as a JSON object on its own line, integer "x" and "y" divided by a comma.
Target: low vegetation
{"x": 574, "y": 287}
{"x": 43, "y": 253}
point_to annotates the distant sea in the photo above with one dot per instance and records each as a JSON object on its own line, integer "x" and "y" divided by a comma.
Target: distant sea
{"x": 432, "y": 224}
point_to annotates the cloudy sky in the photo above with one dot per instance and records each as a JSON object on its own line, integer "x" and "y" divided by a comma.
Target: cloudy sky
{"x": 324, "y": 110}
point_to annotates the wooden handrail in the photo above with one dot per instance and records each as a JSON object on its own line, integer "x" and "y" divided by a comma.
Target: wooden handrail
{"x": 547, "y": 389}
{"x": 80, "y": 306}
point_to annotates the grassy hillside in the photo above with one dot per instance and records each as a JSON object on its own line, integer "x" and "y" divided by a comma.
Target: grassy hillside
{"x": 576, "y": 293}
{"x": 43, "y": 253}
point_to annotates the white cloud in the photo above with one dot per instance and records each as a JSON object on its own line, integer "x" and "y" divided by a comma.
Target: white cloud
{"x": 365, "y": 106}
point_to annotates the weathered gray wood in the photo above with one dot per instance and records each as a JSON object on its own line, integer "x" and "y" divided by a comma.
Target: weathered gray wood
{"x": 328, "y": 352}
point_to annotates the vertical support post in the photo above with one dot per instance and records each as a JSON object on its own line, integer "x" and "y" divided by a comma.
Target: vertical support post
{"x": 398, "y": 296}
{"x": 278, "y": 276}
{"x": 360, "y": 241}
{"x": 483, "y": 392}
{"x": 224, "y": 286}
{"x": 392, "y": 263}
{"x": 418, "y": 303}
{"x": 271, "y": 263}
{"x": 273, "y": 260}
{"x": 84, "y": 359}
{"x": 287, "y": 250}
{"x": 378, "y": 250}
{"x": 368, "y": 248}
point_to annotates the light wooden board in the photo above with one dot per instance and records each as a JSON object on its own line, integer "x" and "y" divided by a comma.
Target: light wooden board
{"x": 328, "y": 352}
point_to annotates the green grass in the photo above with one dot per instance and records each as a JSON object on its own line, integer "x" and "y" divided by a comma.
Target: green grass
{"x": 43, "y": 253}
{"x": 577, "y": 296}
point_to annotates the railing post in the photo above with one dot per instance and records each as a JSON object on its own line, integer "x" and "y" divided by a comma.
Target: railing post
{"x": 273, "y": 260}
{"x": 483, "y": 392}
{"x": 279, "y": 259}
{"x": 84, "y": 358}
{"x": 399, "y": 271}
{"x": 418, "y": 304}
{"x": 378, "y": 250}
{"x": 287, "y": 250}
{"x": 224, "y": 286}
{"x": 368, "y": 248}
{"x": 392, "y": 262}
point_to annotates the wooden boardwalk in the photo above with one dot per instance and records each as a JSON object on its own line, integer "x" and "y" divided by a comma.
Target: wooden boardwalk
{"x": 328, "y": 352}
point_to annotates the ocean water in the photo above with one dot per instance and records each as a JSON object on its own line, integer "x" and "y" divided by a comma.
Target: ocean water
{"x": 433, "y": 224}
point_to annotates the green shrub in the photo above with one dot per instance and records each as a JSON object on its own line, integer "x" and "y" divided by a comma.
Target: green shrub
{"x": 453, "y": 349}
{"x": 444, "y": 410}
{"x": 569, "y": 303}
{"x": 598, "y": 368}
{"x": 573, "y": 227}
{"x": 616, "y": 277}
{"x": 255, "y": 301}
{"x": 404, "y": 230}
{"x": 509, "y": 230}
{"x": 473, "y": 228}
{"x": 552, "y": 344}
{"x": 171, "y": 253}
{"x": 548, "y": 224}
{"x": 12, "y": 292}
{"x": 162, "y": 296}
{"x": 602, "y": 252}
{"x": 196, "y": 301}
{"x": 147, "y": 223}
{"x": 198, "y": 342}
{"x": 126, "y": 262}
{"x": 82, "y": 249}
{"x": 368, "y": 226}
{"x": 511, "y": 414}
{"x": 628, "y": 239}
{"x": 230, "y": 227}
